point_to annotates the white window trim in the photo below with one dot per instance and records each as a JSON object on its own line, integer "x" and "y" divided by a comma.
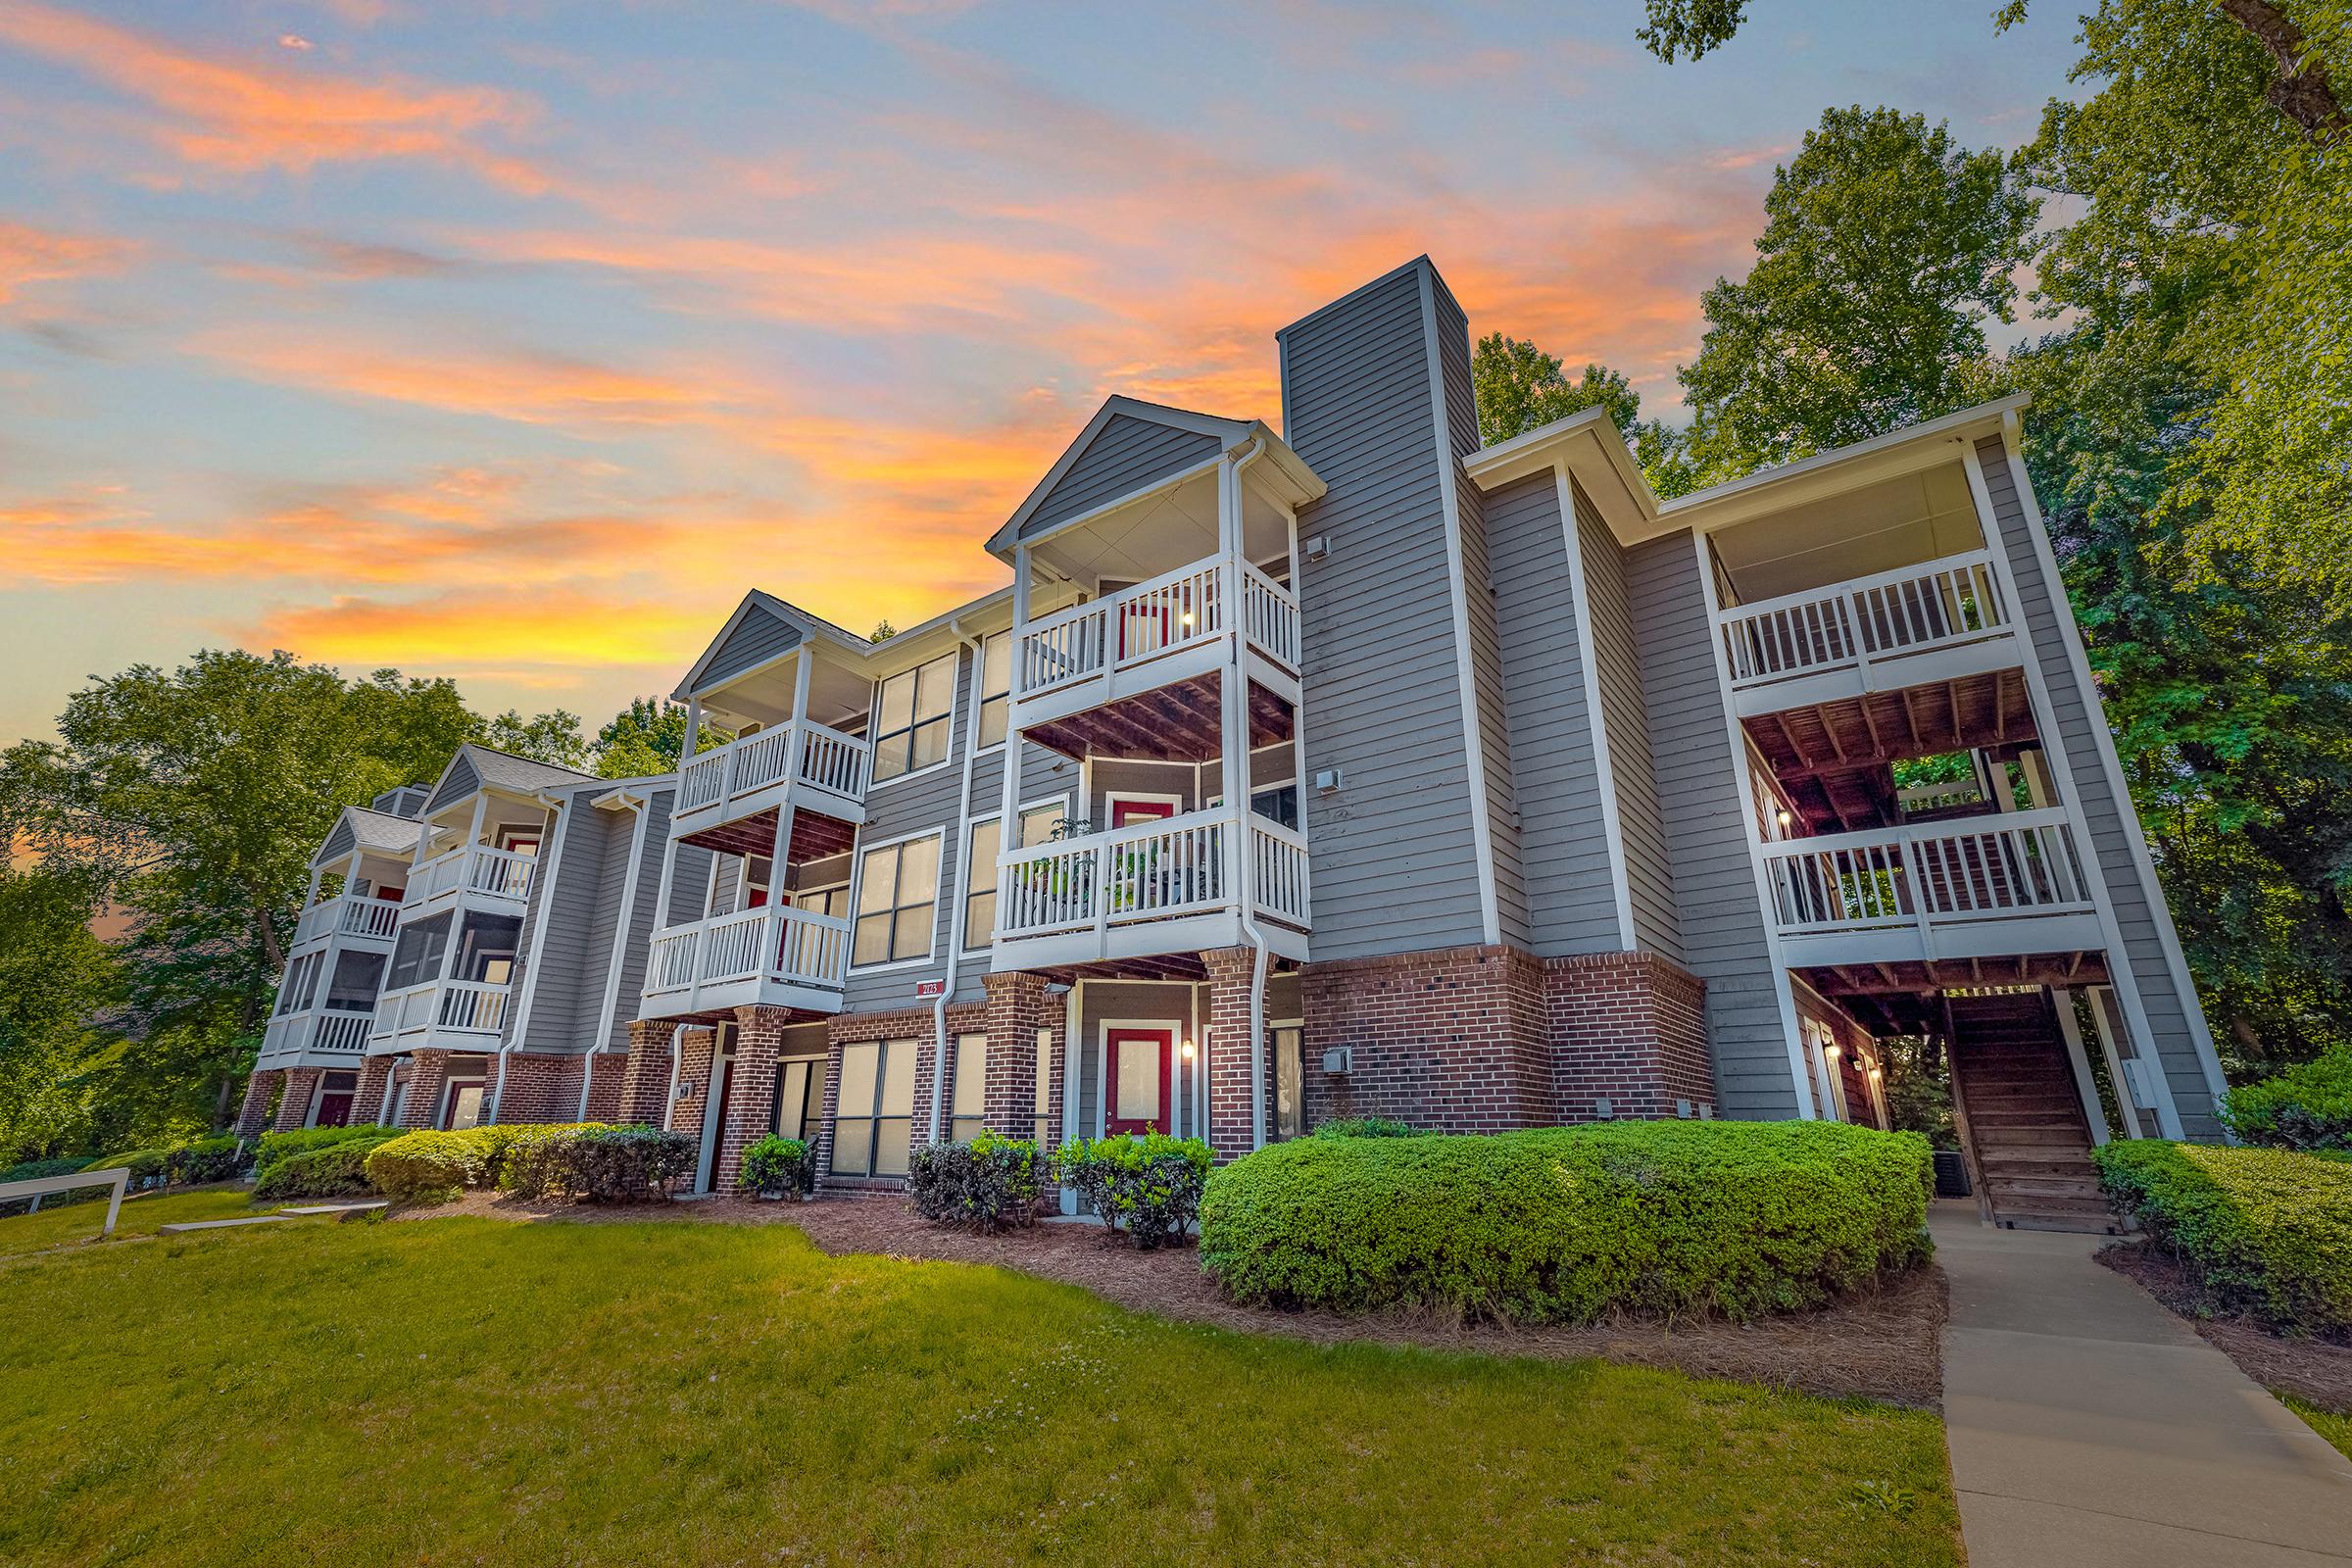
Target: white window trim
{"x": 962, "y": 910}
{"x": 873, "y": 724}
{"x": 1103, "y": 1028}
{"x": 979, "y": 697}
{"x": 858, "y": 886}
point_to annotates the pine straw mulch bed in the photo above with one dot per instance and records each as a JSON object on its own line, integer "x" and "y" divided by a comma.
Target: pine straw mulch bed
{"x": 2313, "y": 1371}
{"x": 1885, "y": 1346}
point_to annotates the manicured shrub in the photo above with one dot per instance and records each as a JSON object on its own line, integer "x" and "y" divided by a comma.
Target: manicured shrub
{"x": 146, "y": 1165}
{"x": 206, "y": 1160}
{"x": 778, "y": 1167}
{"x": 274, "y": 1147}
{"x": 592, "y": 1163}
{"x": 1148, "y": 1186}
{"x": 427, "y": 1167}
{"x": 1572, "y": 1224}
{"x": 1365, "y": 1127}
{"x": 336, "y": 1170}
{"x": 2268, "y": 1230}
{"x": 2309, "y": 1106}
{"x": 986, "y": 1184}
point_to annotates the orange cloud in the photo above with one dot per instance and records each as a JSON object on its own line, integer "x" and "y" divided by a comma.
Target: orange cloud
{"x": 489, "y": 628}
{"x": 30, "y": 254}
{"x": 243, "y": 119}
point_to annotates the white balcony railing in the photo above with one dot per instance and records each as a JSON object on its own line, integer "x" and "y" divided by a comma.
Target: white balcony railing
{"x": 328, "y": 1034}
{"x": 1178, "y": 610}
{"x": 783, "y": 946}
{"x": 826, "y": 761}
{"x": 475, "y": 868}
{"x": 1156, "y": 870}
{"x": 1915, "y": 610}
{"x": 372, "y": 919}
{"x": 472, "y": 1006}
{"x": 1976, "y": 869}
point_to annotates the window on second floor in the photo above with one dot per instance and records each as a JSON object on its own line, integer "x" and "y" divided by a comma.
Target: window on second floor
{"x": 913, "y": 711}
{"x": 417, "y": 958}
{"x": 898, "y": 902}
{"x": 996, "y": 686}
{"x": 980, "y": 867}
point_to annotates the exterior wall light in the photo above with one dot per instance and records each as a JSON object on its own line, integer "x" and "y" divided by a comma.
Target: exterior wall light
{"x": 1187, "y": 1051}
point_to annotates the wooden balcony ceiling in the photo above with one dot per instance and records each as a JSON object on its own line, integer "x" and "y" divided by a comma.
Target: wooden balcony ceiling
{"x": 814, "y": 835}
{"x": 1166, "y": 967}
{"x": 1989, "y": 709}
{"x": 1895, "y": 999}
{"x": 1179, "y": 722}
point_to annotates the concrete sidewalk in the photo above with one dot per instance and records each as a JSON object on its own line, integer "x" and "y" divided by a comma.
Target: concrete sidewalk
{"x": 2090, "y": 1425}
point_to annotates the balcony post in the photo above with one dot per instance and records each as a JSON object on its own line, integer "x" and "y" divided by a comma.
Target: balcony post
{"x": 1009, "y": 807}
{"x": 694, "y": 730}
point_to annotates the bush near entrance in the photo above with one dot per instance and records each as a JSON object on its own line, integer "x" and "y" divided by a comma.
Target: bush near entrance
{"x": 775, "y": 1167}
{"x": 592, "y": 1163}
{"x": 2267, "y": 1230}
{"x": 2309, "y": 1106}
{"x": 1567, "y": 1225}
{"x": 988, "y": 1183}
{"x": 1148, "y": 1186}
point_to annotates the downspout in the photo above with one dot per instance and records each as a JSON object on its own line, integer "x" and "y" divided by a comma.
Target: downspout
{"x": 1248, "y": 890}
{"x": 623, "y": 919}
{"x": 542, "y": 878}
{"x": 963, "y": 827}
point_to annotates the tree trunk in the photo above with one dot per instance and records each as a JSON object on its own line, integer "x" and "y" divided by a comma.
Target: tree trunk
{"x": 2302, "y": 92}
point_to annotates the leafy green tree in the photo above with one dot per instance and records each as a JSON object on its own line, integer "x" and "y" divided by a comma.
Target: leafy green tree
{"x": 643, "y": 739}
{"x": 1885, "y": 248}
{"x": 551, "y": 738}
{"x": 57, "y": 981}
{"x": 1520, "y": 388}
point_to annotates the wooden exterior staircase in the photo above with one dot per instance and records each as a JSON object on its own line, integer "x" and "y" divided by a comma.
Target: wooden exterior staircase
{"x": 2020, "y": 1120}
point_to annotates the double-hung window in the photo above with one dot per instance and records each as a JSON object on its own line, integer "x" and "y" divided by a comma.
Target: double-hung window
{"x": 898, "y": 902}
{"x": 913, "y": 711}
{"x": 971, "y": 1086}
{"x": 996, "y": 686}
{"x": 980, "y": 867}
{"x": 875, "y": 1109}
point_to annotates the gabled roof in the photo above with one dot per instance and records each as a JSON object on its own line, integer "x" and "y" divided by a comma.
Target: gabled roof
{"x": 757, "y": 607}
{"x": 475, "y": 767}
{"x": 1211, "y": 436}
{"x": 365, "y": 828}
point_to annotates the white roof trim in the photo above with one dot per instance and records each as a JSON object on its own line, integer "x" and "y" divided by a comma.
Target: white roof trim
{"x": 1208, "y": 424}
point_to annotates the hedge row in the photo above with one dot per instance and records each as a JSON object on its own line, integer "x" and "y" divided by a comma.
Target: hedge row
{"x": 332, "y": 1170}
{"x": 274, "y": 1147}
{"x": 2307, "y": 1107}
{"x": 580, "y": 1160}
{"x": 1572, "y": 1224}
{"x": 2268, "y": 1230}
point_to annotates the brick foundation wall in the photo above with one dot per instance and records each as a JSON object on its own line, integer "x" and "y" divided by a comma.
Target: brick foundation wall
{"x": 1489, "y": 1039}
{"x": 1452, "y": 1039}
{"x": 254, "y": 1113}
{"x": 538, "y": 1088}
{"x": 425, "y": 1073}
{"x": 750, "y": 1088}
{"x": 1228, "y": 1053}
{"x": 641, "y": 1079}
{"x": 697, "y": 1045}
{"x": 1630, "y": 1028}
{"x": 295, "y": 1105}
{"x": 606, "y": 1073}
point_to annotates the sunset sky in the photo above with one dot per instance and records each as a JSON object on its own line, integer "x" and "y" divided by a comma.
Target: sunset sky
{"x": 513, "y": 341}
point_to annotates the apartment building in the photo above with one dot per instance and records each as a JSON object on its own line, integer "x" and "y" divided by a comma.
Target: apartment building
{"x": 469, "y": 952}
{"x": 1360, "y": 769}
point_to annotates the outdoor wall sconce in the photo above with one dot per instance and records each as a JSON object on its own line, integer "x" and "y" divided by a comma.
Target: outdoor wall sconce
{"x": 1187, "y": 1051}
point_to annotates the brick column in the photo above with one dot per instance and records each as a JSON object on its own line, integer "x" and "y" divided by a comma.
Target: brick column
{"x": 1227, "y": 1050}
{"x": 839, "y": 1032}
{"x": 253, "y": 1115}
{"x": 606, "y": 1073}
{"x": 752, "y": 1093}
{"x": 427, "y": 1072}
{"x": 295, "y": 1105}
{"x": 1018, "y": 1006}
{"x": 376, "y": 1081}
{"x": 1630, "y": 1028}
{"x": 642, "y": 1075}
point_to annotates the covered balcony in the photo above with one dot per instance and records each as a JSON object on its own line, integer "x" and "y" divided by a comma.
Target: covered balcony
{"x": 1153, "y": 892}
{"x": 1889, "y": 586}
{"x": 778, "y": 956}
{"x": 365, "y": 919}
{"x": 474, "y": 873}
{"x": 447, "y": 994}
{"x": 325, "y": 1004}
{"x": 746, "y": 779}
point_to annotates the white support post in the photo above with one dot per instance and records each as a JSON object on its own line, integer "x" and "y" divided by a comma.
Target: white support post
{"x": 694, "y": 730}
{"x": 310, "y": 894}
{"x": 2105, "y": 1032}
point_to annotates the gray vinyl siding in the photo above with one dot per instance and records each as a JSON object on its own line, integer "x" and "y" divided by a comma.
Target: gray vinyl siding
{"x": 1721, "y": 917}
{"x": 458, "y": 782}
{"x": 1633, "y": 775}
{"x": 1396, "y": 867}
{"x": 1572, "y": 901}
{"x": 339, "y": 842}
{"x": 1126, "y": 453}
{"x": 569, "y": 961}
{"x": 2110, "y": 818}
{"x": 758, "y": 638}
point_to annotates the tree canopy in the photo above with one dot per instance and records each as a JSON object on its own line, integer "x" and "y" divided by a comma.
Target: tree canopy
{"x": 1520, "y": 388}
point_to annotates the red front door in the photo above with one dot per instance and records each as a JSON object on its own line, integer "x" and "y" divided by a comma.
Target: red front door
{"x": 1136, "y": 1079}
{"x": 335, "y": 1110}
{"x": 1124, "y": 811}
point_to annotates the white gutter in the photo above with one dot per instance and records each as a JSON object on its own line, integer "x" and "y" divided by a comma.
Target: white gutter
{"x": 543, "y": 877}
{"x": 964, "y": 814}
{"x": 622, "y": 921}
{"x": 1250, "y": 927}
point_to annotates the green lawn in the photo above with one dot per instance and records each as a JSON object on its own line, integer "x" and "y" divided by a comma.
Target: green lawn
{"x": 141, "y": 1217}
{"x": 475, "y": 1391}
{"x": 2336, "y": 1429}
